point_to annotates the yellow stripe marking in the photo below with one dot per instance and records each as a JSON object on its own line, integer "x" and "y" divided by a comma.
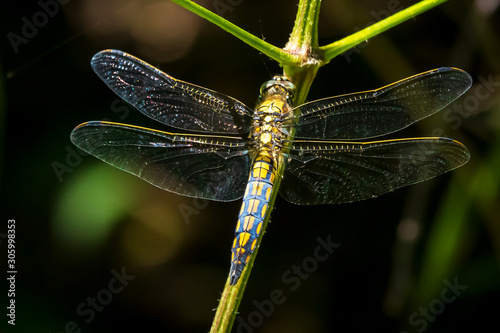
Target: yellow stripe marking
{"x": 263, "y": 211}
{"x": 268, "y": 193}
{"x": 254, "y": 189}
{"x": 253, "y": 205}
{"x": 259, "y": 227}
{"x": 261, "y": 165}
{"x": 244, "y": 237}
{"x": 259, "y": 189}
{"x": 248, "y": 224}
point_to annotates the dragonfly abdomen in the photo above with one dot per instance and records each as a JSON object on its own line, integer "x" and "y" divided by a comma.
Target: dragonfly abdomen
{"x": 252, "y": 214}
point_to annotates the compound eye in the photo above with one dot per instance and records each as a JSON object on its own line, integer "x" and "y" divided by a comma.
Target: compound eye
{"x": 289, "y": 86}
{"x": 278, "y": 81}
{"x": 266, "y": 85}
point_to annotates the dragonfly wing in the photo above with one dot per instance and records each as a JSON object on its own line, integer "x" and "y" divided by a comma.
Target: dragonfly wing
{"x": 382, "y": 111}
{"x": 338, "y": 172}
{"x": 170, "y": 101}
{"x": 198, "y": 166}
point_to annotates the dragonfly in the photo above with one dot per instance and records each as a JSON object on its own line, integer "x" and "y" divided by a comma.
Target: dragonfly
{"x": 227, "y": 150}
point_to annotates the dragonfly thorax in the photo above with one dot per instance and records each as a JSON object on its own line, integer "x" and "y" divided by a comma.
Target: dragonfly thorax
{"x": 274, "y": 102}
{"x": 267, "y": 127}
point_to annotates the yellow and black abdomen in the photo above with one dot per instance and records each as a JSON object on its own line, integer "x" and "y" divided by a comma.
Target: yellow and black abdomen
{"x": 268, "y": 143}
{"x": 252, "y": 214}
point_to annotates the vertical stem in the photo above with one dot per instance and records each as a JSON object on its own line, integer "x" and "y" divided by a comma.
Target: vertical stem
{"x": 303, "y": 43}
{"x": 305, "y": 30}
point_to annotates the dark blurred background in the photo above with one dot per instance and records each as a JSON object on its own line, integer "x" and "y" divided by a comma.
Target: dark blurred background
{"x": 421, "y": 259}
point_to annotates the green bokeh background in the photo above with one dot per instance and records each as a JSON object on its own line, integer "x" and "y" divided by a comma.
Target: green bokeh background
{"x": 78, "y": 220}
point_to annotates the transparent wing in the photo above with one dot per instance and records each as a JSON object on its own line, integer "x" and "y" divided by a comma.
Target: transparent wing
{"x": 373, "y": 113}
{"x": 171, "y": 102}
{"x": 338, "y": 172}
{"x": 208, "y": 167}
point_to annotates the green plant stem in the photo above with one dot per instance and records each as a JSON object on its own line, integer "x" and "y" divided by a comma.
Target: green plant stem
{"x": 334, "y": 49}
{"x": 303, "y": 44}
{"x": 305, "y": 29}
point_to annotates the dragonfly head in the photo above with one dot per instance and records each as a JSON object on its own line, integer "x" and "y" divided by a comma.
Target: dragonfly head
{"x": 279, "y": 84}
